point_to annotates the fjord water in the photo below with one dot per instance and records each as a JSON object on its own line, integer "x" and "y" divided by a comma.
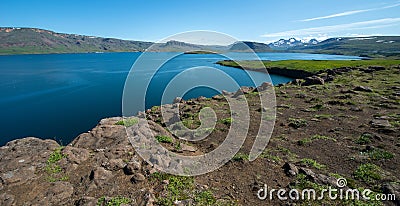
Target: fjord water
{"x": 59, "y": 96}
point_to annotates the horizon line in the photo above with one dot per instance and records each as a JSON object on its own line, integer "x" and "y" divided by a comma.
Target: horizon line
{"x": 149, "y": 41}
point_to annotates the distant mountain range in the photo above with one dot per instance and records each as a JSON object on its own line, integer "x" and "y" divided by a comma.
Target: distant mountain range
{"x": 284, "y": 44}
{"x": 40, "y": 41}
{"x": 36, "y": 41}
{"x": 373, "y": 46}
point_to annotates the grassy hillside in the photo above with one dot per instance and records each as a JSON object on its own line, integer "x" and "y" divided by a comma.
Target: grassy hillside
{"x": 247, "y": 46}
{"x": 312, "y": 66}
{"x": 376, "y": 46}
{"x": 37, "y": 41}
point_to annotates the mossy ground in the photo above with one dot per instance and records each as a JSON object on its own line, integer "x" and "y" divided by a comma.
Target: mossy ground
{"x": 322, "y": 127}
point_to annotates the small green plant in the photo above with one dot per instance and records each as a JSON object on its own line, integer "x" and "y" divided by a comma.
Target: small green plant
{"x": 115, "y": 201}
{"x": 271, "y": 157}
{"x": 178, "y": 188}
{"x": 128, "y": 122}
{"x": 64, "y": 178}
{"x": 226, "y": 121}
{"x": 51, "y": 179}
{"x": 312, "y": 163}
{"x": 178, "y": 146}
{"x": 361, "y": 202}
{"x": 297, "y": 123}
{"x": 317, "y": 136}
{"x": 395, "y": 123}
{"x": 379, "y": 154}
{"x": 56, "y": 156}
{"x": 191, "y": 123}
{"x": 317, "y": 107}
{"x": 164, "y": 139}
{"x": 335, "y": 175}
{"x": 205, "y": 198}
{"x": 323, "y": 116}
{"x": 304, "y": 141}
{"x": 155, "y": 108}
{"x": 314, "y": 137}
{"x": 52, "y": 168}
{"x": 302, "y": 182}
{"x": 364, "y": 139}
{"x": 368, "y": 173}
{"x": 291, "y": 156}
{"x": 240, "y": 157}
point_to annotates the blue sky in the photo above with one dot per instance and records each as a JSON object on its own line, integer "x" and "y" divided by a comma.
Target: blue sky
{"x": 261, "y": 20}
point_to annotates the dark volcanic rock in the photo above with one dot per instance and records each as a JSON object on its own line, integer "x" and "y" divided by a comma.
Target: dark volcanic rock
{"x": 290, "y": 169}
{"x": 114, "y": 164}
{"x": 178, "y": 100}
{"x": 243, "y": 90}
{"x": 363, "y": 89}
{"x": 138, "y": 177}
{"x": 377, "y": 68}
{"x": 104, "y": 135}
{"x": 132, "y": 167}
{"x": 392, "y": 188}
{"x": 264, "y": 86}
{"x": 380, "y": 123}
{"x": 313, "y": 80}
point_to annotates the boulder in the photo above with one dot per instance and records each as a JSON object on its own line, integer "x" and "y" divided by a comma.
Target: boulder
{"x": 362, "y": 89}
{"x": 218, "y": 97}
{"x": 377, "y": 68}
{"x": 100, "y": 175}
{"x": 104, "y": 135}
{"x": 114, "y": 164}
{"x": 21, "y": 158}
{"x": 86, "y": 201}
{"x": 380, "y": 123}
{"x": 264, "y": 86}
{"x": 178, "y": 100}
{"x": 132, "y": 167}
{"x": 226, "y": 93}
{"x": 76, "y": 155}
{"x": 188, "y": 148}
{"x": 313, "y": 80}
{"x": 242, "y": 90}
{"x": 290, "y": 169}
{"x": 201, "y": 98}
{"x": 138, "y": 177}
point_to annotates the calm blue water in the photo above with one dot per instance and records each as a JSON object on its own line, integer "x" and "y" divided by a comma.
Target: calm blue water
{"x": 59, "y": 96}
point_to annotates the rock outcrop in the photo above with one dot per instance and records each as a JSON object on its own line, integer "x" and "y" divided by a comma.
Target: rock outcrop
{"x": 38, "y": 172}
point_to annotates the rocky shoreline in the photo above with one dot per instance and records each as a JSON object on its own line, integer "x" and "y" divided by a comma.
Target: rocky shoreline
{"x": 351, "y": 110}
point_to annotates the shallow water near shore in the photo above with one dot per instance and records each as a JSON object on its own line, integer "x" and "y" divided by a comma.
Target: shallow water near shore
{"x": 59, "y": 96}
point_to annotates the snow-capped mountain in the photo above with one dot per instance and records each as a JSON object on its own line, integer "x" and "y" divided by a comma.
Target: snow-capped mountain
{"x": 292, "y": 42}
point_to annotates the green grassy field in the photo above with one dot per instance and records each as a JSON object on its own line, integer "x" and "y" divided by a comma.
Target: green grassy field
{"x": 311, "y": 66}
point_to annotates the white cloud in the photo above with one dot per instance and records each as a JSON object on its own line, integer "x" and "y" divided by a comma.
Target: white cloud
{"x": 347, "y": 13}
{"x": 328, "y": 30}
{"x": 337, "y": 15}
